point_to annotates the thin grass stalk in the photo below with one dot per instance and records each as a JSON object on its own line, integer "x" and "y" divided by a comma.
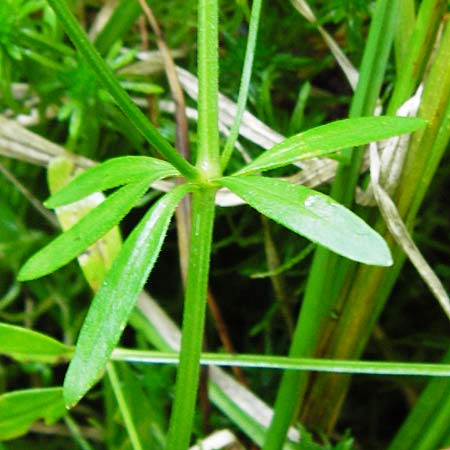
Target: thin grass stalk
{"x": 186, "y": 388}
{"x": 368, "y": 291}
{"x": 124, "y": 408}
{"x": 322, "y": 287}
{"x": 417, "y": 424}
{"x": 245, "y": 83}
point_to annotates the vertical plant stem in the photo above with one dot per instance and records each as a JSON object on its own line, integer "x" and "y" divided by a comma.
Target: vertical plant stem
{"x": 124, "y": 409}
{"x": 208, "y": 82}
{"x": 245, "y": 82}
{"x": 193, "y": 320}
{"x": 405, "y": 22}
{"x": 420, "y": 47}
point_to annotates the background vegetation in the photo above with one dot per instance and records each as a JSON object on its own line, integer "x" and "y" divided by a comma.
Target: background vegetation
{"x": 262, "y": 276}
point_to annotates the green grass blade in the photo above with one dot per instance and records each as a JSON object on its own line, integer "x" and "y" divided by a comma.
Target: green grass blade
{"x": 124, "y": 408}
{"x": 117, "y": 295}
{"x": 20, "y": 409}
{"x": 257, "y": 361}
{"x": 429, "y": 19}
{"x": 109, "y": 81}
{"x": 110, "y": 174}
{"x": 120, "y": 22}
{"x": 245, "y": 83}
{"x": 313, "y": 215}
{"x": 88, "y": 230}
{"x": 329, "y": 138}
{"x": 420, "y": 419}
{"x": 24, "y": 344}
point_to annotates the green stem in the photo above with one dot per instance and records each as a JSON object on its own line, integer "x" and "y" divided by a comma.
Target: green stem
{"x": 193, "y": 320}
{"x": 124, "y": 409}
{"x": 109, "y": 81}
{"x": 255, "y": 361}
{"x": 245, "y": 83}
{"x": 208, "y": 81}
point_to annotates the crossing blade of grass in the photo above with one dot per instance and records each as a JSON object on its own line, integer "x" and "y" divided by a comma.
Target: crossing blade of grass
{"x": 88, "y": 230}
{"x": 313, "y": 215}
{"x": 329, "y": 138}
{"x": 110, "y": 174}
{"x": 117, "y": 295}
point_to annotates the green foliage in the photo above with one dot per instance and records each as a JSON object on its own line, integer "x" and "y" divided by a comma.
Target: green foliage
{"x": 117, "y": 295}
{"x": 27, "y": 345}
{"x": 20, "y": 409}
{"x": 313, "y": 215}
{"x": 76, "y": 95}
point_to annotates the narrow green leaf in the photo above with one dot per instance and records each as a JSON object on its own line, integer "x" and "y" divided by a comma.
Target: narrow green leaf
{"x": 110, "y": 174}
{"x": 117, "y": 295}
{"x": 84, "y": 233}
{"x": 329, "y": 138}
{"x": 24, "y": 344}
{"x": 313, "y": 215}
{"x": 20, "y": 409}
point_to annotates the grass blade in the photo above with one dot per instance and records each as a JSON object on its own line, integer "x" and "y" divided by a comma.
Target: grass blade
{"x": 117, "y": 295}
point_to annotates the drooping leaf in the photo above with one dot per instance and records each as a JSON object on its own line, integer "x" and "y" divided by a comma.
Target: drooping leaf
{"x": 24, "y": 344}
{"x": 20, "y": 409}
{"x": 112, "y": 173}
{"x": 117, "y": 295}
{"x": 329, "y": 138}
{"x": 89, "y": 229}
{"x": 312, "y": 215}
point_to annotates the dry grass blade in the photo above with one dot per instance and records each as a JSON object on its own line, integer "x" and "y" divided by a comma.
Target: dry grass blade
{"x": 401, "y": 234}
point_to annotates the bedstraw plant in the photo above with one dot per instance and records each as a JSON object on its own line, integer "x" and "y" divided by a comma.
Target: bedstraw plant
{"x": 325, "y": 220}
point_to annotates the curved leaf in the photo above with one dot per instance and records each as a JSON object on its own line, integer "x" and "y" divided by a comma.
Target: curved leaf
{"x": 20, "y": 409}
{"x": 24, "y": 344}
{"x": 110, "y": 174}
{"x": 327, "y": 139}
{"x": 117, "y": 295}
{"x": 312, "y": 215}
{"x": 88, "y": 230}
